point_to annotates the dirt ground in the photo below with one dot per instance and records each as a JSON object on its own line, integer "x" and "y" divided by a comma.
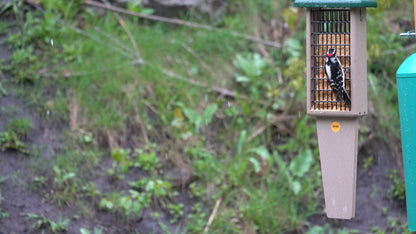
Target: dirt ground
{"x": 19, "y": 199}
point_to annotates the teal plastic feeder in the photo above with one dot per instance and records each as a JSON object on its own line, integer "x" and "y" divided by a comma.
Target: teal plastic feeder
{"x": 406, "y": 84}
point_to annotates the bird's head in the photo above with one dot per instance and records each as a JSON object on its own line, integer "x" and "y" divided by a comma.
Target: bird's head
{"x": 331, "y": 53}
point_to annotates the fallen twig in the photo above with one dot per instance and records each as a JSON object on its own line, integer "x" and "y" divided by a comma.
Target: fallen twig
{"x": 191, "y": 51}
{"x": 274, "y": 119}
{"x": 222, "y": 91}
{"x": 212, "y": 216}
{"x": 127, "y": 49}
{"x": 123, "y": 24}
{"x": 68, "y": 73}
{"x": 179, "y": 22}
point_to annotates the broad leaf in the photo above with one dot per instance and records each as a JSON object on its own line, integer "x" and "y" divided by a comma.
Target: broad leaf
{"x": 209, "y": 113}
{"x": 301, "y": 164}
{"x": 192, "y": 116}
{"x": 255, "y": 163}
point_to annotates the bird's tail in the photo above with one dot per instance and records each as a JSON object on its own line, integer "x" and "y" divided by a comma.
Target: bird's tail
{"x": 346, "y": 97}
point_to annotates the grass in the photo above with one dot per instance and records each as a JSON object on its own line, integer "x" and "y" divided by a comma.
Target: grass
{"x": 253, "y": 152}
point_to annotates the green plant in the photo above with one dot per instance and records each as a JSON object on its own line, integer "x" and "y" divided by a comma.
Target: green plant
{"x": 133, "y": 203}
{"x": 10, "y": 140}
{"x": 156, "y": 188}
{"x": 43, "y": 222}
{"x": 146, "y": 161}
{"x": 3, "y": 91}
{"x": 3, "y": 214}
{"x": 176, "y": 211}
{"x": 384, "y": 211}
{"x": 197, "y": 219}
{"x": 86, "y": 231}
{"x": 199, "y": 120}
{"x": 126, "y": 205}
{"x": 136, "y": 7}
{"x": 62, "y": 177}
{"x": 327, "y": 229}
{"x": 121, "y": 164}
{"x": 20, "y": 126}
{"x": 252, "y": 67}
{"x": 297, "y": 168}
{"x": 24, "y": 57}
{"x": 39, "y": 181}
{"x": 106, "y": 204}
{"x": 302, "y": 138}
{"x": 368, "y": 162}
{"x": 375, "y": 191}
{"x": 205, "y": 165}
{"x": 397, "y": 189}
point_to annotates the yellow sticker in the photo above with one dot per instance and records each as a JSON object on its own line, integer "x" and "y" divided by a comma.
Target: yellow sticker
{"x": 335, "y": 126}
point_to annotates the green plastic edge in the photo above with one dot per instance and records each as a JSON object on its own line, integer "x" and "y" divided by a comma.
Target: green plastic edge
{"x": 335, "y": 3}
{"x": 408, "y": 68}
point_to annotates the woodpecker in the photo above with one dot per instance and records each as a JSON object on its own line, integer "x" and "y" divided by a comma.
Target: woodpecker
{"x": 336, "y": 76}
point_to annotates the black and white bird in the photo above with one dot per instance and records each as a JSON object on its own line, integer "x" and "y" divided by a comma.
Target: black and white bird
{"x": 336, "y": 77}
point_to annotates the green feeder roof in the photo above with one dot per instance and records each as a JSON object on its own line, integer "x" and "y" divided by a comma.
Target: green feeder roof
{"x": 408, "y": 68}
{"x": 335, "y": 3}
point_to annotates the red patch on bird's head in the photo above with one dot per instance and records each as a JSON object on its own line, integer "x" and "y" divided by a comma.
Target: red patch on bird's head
{"x": 330, "y": 55}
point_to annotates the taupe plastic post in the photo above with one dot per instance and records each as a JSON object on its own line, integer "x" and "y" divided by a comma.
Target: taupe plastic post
{"x": 337, "y": 140}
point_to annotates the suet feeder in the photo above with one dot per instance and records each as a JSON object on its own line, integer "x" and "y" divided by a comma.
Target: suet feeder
{"x": 339, "y": 25}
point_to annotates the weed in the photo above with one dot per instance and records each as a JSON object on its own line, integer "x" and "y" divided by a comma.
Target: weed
{"x": 3, "y": 214}
{"x": 39, "y": 181}
{"x": 196, "y": 191}
{"x": 199, "y": 120}
{"x": 206, "y": 168}
{"x": 126, "y": 205}
{"x": 146, "y": 161}
{"x": 106, "y": 204}
{"x": 384, "y": 211}
{"x": 176, "y": 211}
{"x": 43, "y": 222}
{"x": 327, "y": 229}
{"x": 3, "y": 91}
{"x": 16, "y": 130}
{"x": 156, "y": 188}
{"x": 121, "y": 164}
{"x": 197, "y": 219}
{"x": 375, "y": 191}
{"x": 368, "y": 163}
{"x": 78, "y": 160}
{"x": 86, "y": 231}
{"x": 67, "y": 186}
{"x": 296, "y": 169}
{"x": 134, "y": 203}
{"x": 10, "y": 140}
{"x": 397, "y": 189}
{"x": 62, "y": 177}
{"x": 136, "y": 7}
{"x": 91, "y": 190}
{"x": 20, "y": 126}
{"x": 251, "y": 65}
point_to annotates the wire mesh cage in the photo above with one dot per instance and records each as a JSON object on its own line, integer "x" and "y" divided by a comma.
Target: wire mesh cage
{"x": 330, "y": 28}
